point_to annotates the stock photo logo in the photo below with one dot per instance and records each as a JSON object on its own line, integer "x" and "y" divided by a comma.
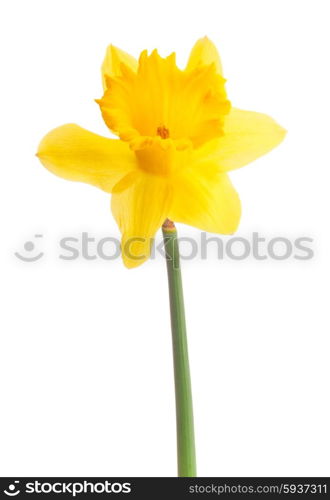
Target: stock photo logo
{"x": 84, "y": 246}
{"x": 69, "y": 488}
{"x": 11, "y": 490}
{"x": 30, "y": 252}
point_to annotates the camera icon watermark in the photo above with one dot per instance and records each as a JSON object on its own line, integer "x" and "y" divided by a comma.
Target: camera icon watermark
{"x": 31, "y": 253}
{"x": 11, "y": 490}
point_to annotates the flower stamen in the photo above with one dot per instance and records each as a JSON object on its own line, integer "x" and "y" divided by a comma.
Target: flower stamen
{"x": 163, "y": 132}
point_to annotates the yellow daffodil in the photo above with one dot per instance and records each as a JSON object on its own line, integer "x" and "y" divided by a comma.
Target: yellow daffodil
{"x": 178, "y": 138}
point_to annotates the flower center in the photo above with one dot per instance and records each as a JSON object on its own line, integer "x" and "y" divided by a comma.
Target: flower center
{"x": 163, "y": 132}
{"x": 160, "y": 101}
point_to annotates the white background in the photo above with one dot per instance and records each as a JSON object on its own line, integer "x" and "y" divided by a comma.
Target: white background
{"x": 86, "y": 367}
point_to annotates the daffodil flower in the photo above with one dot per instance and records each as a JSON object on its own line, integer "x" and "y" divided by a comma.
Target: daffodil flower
{"x": 178, "y": 138}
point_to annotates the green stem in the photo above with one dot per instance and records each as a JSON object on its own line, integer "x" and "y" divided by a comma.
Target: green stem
{"x": 183, "y": 397}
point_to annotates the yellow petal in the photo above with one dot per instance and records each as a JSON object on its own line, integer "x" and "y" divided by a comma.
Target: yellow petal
{"x": 205, "y": 198}
{"x": 113, "y": 60}
{"x": 247, "y": 135}
{"x": 76, "y": 154}
{"x": 203, "y": 53}
{"x": 140, "y": 210}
